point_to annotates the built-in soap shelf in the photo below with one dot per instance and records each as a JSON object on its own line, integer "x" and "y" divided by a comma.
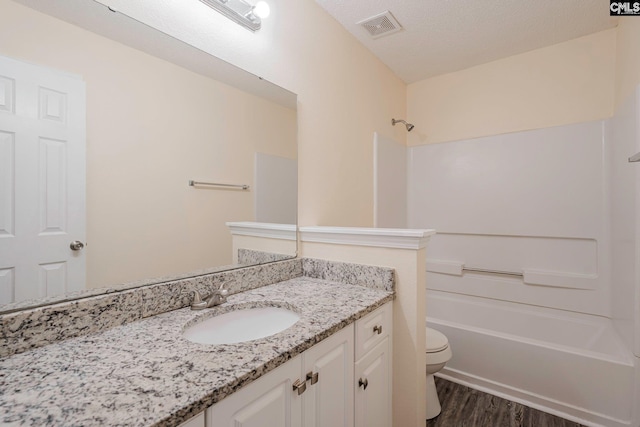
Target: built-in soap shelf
{"x": 534, "y": 277}
{"x": 634, "y": 158}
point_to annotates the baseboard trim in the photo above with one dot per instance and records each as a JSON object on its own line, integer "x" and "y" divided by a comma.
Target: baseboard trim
{"x": 551, "y": 406}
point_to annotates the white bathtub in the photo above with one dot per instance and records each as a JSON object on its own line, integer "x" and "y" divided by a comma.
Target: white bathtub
{"x": 569, "y": 364}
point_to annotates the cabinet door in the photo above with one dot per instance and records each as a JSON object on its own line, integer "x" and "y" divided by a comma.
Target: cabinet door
{"x": 373, "y": 388}
{"x": 268, "y": 401}
{"x": 328, "y": 367}
{"x": 197, "y": 421}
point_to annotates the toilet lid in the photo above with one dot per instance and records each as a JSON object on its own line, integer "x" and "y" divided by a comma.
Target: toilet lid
{"x": 436, "y": 341}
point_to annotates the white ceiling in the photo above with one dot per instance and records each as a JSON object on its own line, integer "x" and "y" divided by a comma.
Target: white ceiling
{"x": 442, "y": 36}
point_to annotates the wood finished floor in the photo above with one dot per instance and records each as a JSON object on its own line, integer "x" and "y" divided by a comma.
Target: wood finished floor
{"x": 465, "y": 407}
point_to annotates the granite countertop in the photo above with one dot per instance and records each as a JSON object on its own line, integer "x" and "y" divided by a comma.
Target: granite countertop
{"x": 146, "y": 374}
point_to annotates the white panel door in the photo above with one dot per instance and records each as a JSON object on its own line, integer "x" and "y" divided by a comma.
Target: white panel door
{"x": 328, "y": 367}
{"x": 42, "y": 181}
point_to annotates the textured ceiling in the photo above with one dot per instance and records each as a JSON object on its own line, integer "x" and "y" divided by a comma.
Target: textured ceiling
{"x": 441, "y": 36}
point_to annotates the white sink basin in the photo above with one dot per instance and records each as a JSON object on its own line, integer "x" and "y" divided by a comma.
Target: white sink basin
{"x": 241, "y": 325}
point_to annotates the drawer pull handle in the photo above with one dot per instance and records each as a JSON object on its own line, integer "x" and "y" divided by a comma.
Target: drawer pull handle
{"x": 313, "y": 377}
{"x": 299, "y": 386}
{"x": 363, "y": 383}
{"x": 377, "y": 329}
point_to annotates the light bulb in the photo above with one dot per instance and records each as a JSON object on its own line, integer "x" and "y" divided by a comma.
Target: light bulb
{"x": 261, "y": 9}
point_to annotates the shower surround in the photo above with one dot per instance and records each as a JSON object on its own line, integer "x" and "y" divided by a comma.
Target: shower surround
{"x": 552, "y": 214}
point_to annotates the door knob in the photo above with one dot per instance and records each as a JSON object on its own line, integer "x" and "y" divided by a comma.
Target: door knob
{"x": 76, "y": 245}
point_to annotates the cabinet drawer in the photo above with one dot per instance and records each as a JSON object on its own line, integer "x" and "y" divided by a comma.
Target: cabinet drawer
{"x": 372, "y": 329}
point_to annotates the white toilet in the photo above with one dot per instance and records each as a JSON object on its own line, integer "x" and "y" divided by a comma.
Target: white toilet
{"x": 438, "y": 354}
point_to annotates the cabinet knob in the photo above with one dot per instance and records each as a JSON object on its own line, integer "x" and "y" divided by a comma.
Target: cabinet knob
{"x": 377, "y": 329}
{"x": 300, "y": 386}
{"x": 363, "y": 383}
{"x": 313, "y": 377}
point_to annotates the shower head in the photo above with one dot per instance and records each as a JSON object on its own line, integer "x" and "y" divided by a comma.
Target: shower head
{"x": 408, "y": 125}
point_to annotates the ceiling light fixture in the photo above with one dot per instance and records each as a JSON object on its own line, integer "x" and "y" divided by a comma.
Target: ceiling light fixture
{"x": 241, "y": 12}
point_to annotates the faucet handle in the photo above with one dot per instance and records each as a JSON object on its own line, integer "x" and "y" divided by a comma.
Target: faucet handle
{"x": 196, "y": 296}
{"x": 196, "y": 303}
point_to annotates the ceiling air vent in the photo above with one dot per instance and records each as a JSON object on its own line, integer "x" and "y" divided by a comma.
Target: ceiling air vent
{"x": 381, "y": 25}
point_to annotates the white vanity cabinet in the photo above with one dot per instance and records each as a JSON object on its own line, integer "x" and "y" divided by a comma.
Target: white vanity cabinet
{"x": 328, "y": 400}
{"x": 373, "y": 369}
{"x": 323, "y": 396}
{"x": 197, "y": 421}
{"x": 319, "y": 388}
{"x": 268, "y": 401}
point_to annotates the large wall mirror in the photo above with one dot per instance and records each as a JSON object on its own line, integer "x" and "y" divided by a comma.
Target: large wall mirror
{"x": 151, "y": 114}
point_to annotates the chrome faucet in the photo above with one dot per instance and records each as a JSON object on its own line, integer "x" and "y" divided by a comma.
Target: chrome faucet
{"x": 217, "y": 297}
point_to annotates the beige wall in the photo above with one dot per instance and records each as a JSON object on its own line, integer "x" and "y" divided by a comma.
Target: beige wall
{"x": 409, "y": 313}
{"x": 566, "y": 83}
{"x": 344, "y": 93}
{"x": 627, "y": 58}
{"x": 151, "y": 127}
{"x": 264, "y": 244}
